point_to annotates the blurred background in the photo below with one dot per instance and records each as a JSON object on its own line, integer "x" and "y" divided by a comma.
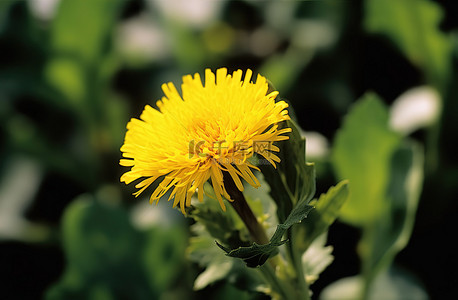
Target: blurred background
{"x": 72, "y": 73}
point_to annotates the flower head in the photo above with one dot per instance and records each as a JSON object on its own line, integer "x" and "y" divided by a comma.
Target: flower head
{"x": 211, "y": 129}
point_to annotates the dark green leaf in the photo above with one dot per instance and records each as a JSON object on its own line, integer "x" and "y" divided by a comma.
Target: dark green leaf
{"x": 102, "y": 250}
{"x": 414, "y": 27}
{"x": 97, "y": 236}
{"x": 107, "y": 255}
{"x": 257, "y": 255}
{"x": 326, "y": 211}
{"x": 391, "y": 233}
{"x": 294, "y": 180}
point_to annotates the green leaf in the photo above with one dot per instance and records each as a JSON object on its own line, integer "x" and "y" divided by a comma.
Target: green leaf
{"x": 327, "y": 209}
{"x": 229, "y": 292}
{"x": 404, "y": 191}
{"x": 163, "y": 261}
{"x": 107, "y": 256}
{"x": 81, "y": 29}
{"x": 414, "y": 27}
{"x": 96, "y": 236}
{"x": 294, "y": 180}
{"x": 362, "y": 153}
{"x": 390, "y": 234}
{"x": 80, "y": 41}
{"x": 284, "y": 69}
{"x": 257, "y": 255}
{"x": 101, "y": 248}
{"x": 67, "y": 75}
{"x": 385, "y": 178}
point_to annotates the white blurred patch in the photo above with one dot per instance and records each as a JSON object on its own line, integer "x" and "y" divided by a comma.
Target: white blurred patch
{"x": 391, "y": 284}
{"x": 317, "y": 258}
{"x": 280, "y": 14}
{"x": 347, "y": 288}
{"x": 141, "y": 38}
{"x": 313, "y": 34}
{"x": 20, "y": 183}
{"x": 144, "y": 215}
{"x": 317, "y": 146}
{"x": 418, "y": 107}
{"x": 43, "y": 10}
{"x": 196, "y": 13}
{"x": 264, "y": 41}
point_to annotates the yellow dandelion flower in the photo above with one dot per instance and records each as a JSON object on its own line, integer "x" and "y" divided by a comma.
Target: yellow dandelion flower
{"x": 211, "y": 129}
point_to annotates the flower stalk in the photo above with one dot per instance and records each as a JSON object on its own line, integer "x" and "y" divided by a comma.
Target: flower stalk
{"x": 242, "y": 208}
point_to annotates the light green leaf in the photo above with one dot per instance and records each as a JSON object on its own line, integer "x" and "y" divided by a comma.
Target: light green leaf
{"x": 414, "y": 26}
{"x": 362, "y": 153}
{"x": 68, "y": 76}
{"x": 283, "y": 69}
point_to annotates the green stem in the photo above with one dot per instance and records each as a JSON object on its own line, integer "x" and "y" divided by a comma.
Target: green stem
{"x": 366, "y": 252}
{"x": 258, "y": 234}
{"x": 304, "y": 291}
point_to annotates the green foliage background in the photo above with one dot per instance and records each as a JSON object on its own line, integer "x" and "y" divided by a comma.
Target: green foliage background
{"x": 72, "y": 73}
